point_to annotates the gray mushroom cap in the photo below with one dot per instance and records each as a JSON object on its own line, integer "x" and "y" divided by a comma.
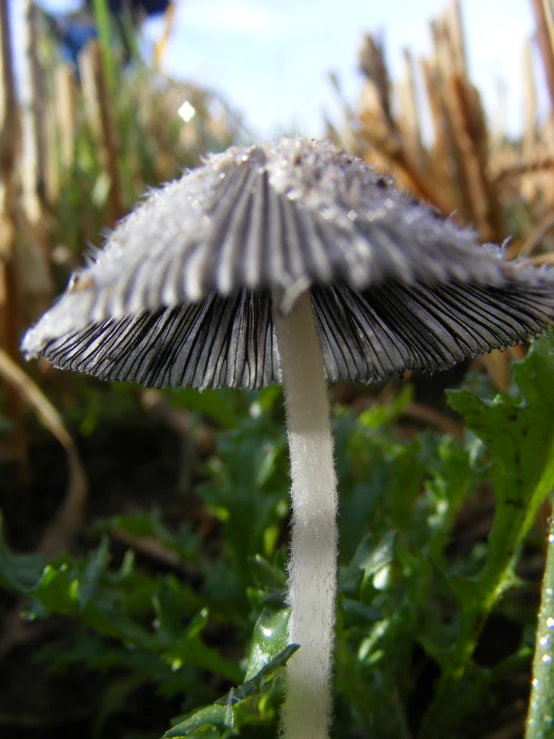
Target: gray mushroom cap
{"x": 181, "y": 294}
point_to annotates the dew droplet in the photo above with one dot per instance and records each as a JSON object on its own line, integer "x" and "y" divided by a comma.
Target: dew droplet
{"x": 544, "y": 641}
{"x": 255, "y": 410}
{"x": 550, "y": 622}
{"x": 547, "y": 659}
{"x": 186, "y": 111}
{"x": 382, "y": 578}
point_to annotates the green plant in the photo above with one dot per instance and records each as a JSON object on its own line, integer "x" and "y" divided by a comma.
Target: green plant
{"x": 404, "y": 589}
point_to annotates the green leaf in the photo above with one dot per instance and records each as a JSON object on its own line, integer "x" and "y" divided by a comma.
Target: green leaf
{"x": 211, "y": 717}
{"x": 382, "y": 414}
{"x": 21, "y": 572}
{"x": 448, "y": 487}
{"x": 150, "y": 524}
{"x": 247, "y": 491}
{"x": 97, "y": 597}
{"x": 103, "y": 23}
{"x": 219, "y": 406}
{"x": 239, "y": 702}
{"x": 519, "y": 435}
{"x": 405, "y": 479}
{"x": 372, "y": 559}
{"x": 114, "y": 699}
{"x": 269, "y": 639}
{"x": 97, "y": 564}
{"x": 268, "y": 575}
{"x": 264, "y": 680}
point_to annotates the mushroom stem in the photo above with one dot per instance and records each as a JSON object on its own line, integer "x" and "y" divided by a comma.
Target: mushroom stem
{"x": 313, "y": 565}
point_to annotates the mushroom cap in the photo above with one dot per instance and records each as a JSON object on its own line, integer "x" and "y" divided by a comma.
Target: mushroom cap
{"x": 182, "y": 292}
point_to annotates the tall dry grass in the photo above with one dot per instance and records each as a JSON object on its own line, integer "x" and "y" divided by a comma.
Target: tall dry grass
{"x": 78, "y": 146}
{"x": 469, "y": 167}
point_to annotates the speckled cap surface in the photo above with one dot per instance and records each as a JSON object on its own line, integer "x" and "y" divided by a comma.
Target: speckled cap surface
{"x": 181, "y": 294}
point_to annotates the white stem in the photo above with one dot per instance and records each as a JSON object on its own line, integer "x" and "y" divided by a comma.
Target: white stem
{"x": 313, "y": 566}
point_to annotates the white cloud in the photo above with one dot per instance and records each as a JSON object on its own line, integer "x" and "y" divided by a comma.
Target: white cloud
{"x": 241, "y": 18}
{"x": 270, "y": 57}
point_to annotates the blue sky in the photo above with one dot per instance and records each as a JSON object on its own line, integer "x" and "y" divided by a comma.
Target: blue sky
{"x": 270, "y": 58}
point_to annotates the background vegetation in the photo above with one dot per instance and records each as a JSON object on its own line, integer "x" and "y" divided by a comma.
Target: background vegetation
{"x": 145, "y": 533}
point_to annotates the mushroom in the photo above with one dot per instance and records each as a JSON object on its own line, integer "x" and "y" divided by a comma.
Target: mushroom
{"x": 292, "y": 263}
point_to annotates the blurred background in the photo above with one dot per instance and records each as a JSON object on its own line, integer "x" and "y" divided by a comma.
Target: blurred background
{"x": 454, "y": 99}
{"x": 272, "y": 60}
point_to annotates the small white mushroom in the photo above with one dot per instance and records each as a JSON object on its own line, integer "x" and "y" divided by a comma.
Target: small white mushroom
{"x": 292, "y": 263}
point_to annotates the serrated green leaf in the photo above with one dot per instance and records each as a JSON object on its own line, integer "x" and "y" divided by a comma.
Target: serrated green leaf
{"x": 519, "y": 435}
{"x": 248, "y": 485}
{"x": 170, "y": 606}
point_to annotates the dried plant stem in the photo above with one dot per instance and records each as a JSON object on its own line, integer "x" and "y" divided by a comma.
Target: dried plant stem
{"x": 160, "y": 46}
{"x": 52, "y": 159}
{"x": 530, "y": 102}
{"x": 36, "y": 285}
{"x": 32, "y": 105}
{"x": 545, "y": 47}
{"x": 67, "y": 522}
{"x": 101, "y": 119}
{"x": 453, "y": 17}
{"x": 313, "y": 567}
{"x": 102, "y": 18}
{"x": 537, "y": 164}
{"x": 409, "y": 120}
{"x": 538, "y": 233}
{"x": 540, "y": 721}
{"x": 66, "y": 114}
{"x": 471, "y": 139}
{"x": 9, "y": 313}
